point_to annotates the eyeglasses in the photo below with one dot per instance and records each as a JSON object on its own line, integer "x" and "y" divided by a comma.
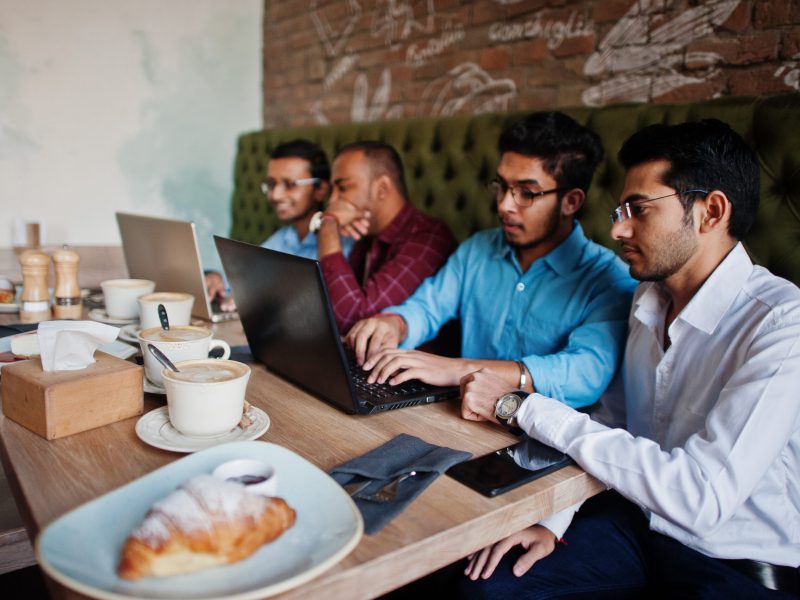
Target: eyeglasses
{"x": 271, "y": 185}
{"x": 523, "y": 197}
{"x": 628, "y": 210}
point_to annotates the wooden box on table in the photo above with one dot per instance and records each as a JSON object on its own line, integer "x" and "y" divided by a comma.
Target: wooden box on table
{"x": 59, "y": 403}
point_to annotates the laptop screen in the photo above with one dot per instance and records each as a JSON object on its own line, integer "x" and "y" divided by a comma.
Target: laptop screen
{"x": 285, "y": 312}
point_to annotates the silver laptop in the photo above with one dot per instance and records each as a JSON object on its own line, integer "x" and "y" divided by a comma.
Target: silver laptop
{"x": 290, "y": 327}
{"x": 166, "y": 251}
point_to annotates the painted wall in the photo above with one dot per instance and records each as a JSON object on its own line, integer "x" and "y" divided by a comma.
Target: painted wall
{"x": 110, "y": 105}
{"x": 364, "y": 60}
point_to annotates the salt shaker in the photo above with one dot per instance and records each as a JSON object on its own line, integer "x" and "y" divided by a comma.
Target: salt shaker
{"x": 35, "y": 299}
{"x": 67, "y": 293}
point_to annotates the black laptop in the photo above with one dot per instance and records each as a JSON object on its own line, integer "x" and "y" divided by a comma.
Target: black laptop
{"x": 288, "y": 320}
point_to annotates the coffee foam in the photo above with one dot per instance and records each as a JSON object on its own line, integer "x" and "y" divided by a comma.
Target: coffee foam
{"x": 174, "y": 334}
{"x": 165, "y": 297}
{"x": 207, "y": 372}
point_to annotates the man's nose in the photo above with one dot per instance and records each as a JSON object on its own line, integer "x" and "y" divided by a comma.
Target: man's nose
{"x": 621, "y": 229}
{"x": 506, "y": 202}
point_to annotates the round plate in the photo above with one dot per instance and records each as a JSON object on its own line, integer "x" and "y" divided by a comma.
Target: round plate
{"x": 153, "y": 388}
{"x": 155, "y": 429}
{"x": 128, "y": 333}
{"x": 100, "y": 315}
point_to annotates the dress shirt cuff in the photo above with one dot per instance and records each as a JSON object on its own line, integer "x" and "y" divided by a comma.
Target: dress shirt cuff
{"x": 544, "y": 377}
{"x": 545, "y": 419}
{"x": 559, "y": 522}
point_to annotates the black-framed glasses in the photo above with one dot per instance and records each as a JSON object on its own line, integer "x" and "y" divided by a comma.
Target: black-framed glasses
{"x": 627, "y": 210}
{"x": 271, "y": 185}
{"x": 523, "y": 196}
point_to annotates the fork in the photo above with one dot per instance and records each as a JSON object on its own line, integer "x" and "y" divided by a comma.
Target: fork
{"x": 388, "y": 492}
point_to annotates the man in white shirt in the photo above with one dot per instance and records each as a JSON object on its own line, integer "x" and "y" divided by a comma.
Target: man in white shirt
{"x": 703, "y": 451}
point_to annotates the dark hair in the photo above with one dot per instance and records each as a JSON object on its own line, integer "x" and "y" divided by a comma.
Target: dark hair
{"x": 570, "y": 152}
{"x": 706, "y": 155}
{"x": 308, "y": 151}
{"x": 383, "y": 159}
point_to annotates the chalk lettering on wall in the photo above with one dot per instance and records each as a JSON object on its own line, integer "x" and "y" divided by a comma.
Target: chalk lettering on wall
{"x": 340, "y": 69}
{"x": 319, "y": 116}
{"x": 468, "y": 88}
{"x": 378, "y": 109}
{"x": 332, "y": 41}
{"x": 553, "y": 30}
{"x": 419, "y": 54}
{"x": 641, "y": 59}
{"x": 396, "y": 20}
{"x": 790, "y": 71}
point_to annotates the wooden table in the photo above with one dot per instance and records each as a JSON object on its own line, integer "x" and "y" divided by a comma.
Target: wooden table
{"x": 445, "y": 523}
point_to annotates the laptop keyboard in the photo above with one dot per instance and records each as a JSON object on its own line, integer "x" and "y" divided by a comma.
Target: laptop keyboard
{"x": 382, "y": 392}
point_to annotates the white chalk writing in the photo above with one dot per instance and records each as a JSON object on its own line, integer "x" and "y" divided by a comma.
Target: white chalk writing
{"x": 468, "y": 88}
{"x": 641, "y": 59}
{"x": 554, "y": 31}
{"x": 340, "y": 69}
{"x": 396, "y": 20}
{"x": 334, "y": 42}
{"x": 419, "y": 54}
{"x": 379, "y": 108}
{"x": 790, "y": 71}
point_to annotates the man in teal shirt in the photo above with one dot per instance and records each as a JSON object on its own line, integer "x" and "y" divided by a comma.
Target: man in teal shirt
{"x": 539, "y": 303}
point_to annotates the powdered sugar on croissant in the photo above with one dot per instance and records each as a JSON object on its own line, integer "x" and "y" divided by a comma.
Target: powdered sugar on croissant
{"x": 204, "y": 523}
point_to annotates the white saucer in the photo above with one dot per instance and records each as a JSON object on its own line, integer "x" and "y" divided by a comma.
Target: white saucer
{"x": 128, "y": 333}
{"x": 9, "y": 307}
{"x": 153, "y": 388}
{"x": 155, "y": 429}
{"x": 99, "y": 314}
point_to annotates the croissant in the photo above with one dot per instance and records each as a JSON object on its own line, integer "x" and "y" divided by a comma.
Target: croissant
{"x": 204, "y": 523}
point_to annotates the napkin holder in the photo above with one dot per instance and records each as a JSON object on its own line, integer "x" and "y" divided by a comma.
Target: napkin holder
{"x": 56, "y": 404}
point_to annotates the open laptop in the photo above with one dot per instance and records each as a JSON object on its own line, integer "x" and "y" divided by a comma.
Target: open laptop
{"x": 288, "y": 320}
{"x": 166, "y": 251}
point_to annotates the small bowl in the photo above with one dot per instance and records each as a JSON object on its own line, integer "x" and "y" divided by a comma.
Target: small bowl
{"x": 263, "y": 479}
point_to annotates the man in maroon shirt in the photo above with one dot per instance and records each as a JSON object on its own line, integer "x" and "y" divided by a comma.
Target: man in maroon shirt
{"x": 398, "y": 246}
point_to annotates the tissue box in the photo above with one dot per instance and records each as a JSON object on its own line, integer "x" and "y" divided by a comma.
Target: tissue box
{"x": 60, "y": 403}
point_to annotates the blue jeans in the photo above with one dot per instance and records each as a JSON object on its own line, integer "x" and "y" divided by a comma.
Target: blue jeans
{"x": 610, "y": 552}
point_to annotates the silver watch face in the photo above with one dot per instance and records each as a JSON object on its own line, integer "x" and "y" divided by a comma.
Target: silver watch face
{"x": 507, "y": 406}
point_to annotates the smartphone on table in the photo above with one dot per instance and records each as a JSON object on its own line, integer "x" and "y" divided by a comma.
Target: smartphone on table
{"x": 508, "y": 468}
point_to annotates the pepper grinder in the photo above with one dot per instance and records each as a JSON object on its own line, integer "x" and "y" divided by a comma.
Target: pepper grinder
{"x": 35, "y": 300}
{"x": 67, "y": 293}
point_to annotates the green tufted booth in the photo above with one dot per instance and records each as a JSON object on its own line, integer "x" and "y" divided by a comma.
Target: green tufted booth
{"x": 449, "y": 159}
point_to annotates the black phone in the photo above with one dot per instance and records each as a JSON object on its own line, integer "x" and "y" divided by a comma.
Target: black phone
{"x": 508, "y": 468}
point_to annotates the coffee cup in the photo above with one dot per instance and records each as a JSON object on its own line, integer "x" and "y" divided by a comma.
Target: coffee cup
{"x": 121, "y": 294}
{"x": 183, "y": 342}
{"x": 177, "y": 304}
{"x": 206, "y": 397}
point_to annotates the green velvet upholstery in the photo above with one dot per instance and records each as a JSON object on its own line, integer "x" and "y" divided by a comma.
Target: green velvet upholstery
{"x": 448, "y": 160}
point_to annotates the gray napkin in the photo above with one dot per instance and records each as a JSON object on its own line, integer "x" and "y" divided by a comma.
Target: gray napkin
{"x": 403, "y": 454}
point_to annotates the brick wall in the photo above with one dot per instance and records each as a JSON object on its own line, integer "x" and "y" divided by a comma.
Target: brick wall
{"x": 334, "y": 61}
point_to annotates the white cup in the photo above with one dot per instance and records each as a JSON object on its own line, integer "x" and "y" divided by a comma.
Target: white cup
{"x": 206, "y": 397}
{"x": 183, "y": 342}
{"x": 121, "y": 294}
{"x": 257, "y": 476}
{"x": 177, "y": 304}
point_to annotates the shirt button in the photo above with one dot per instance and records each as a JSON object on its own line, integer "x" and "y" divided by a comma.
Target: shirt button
{"x": 520, "y": 286}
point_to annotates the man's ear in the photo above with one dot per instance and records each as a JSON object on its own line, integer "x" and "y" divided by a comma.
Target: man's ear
{"x": 322, "y": 191}
{"x": 715, "y": 212}
{"x": 571, "y": 202}
{"x": 381, "y": 187}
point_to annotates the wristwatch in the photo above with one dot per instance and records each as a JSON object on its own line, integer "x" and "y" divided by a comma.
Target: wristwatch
{"x": 316, "y": 222}
{"x": 507, "y": 407}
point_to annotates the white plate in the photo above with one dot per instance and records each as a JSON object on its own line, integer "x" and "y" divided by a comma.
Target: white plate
{"x": 155, "y": 429}
{"x": 128, "y": 333}
{"x": 152, "y": 388}
{"x": 9, "y": 307}
{"x": 99, "y": 314}
{"x": 81, "y": 549}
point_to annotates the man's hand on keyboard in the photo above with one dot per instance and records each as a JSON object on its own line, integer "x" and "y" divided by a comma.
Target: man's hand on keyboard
{"x": 396, "y": 366}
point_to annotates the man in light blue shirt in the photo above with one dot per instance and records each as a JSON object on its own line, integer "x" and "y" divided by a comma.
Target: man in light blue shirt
{"x": 539, "y": 304}
{"x": 296, "y": 186}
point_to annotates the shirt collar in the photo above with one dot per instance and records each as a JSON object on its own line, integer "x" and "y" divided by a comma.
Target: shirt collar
{"x": 397, "y": 225}
{"x": 562, "y": 259}
{"x": 708, "y": 306}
